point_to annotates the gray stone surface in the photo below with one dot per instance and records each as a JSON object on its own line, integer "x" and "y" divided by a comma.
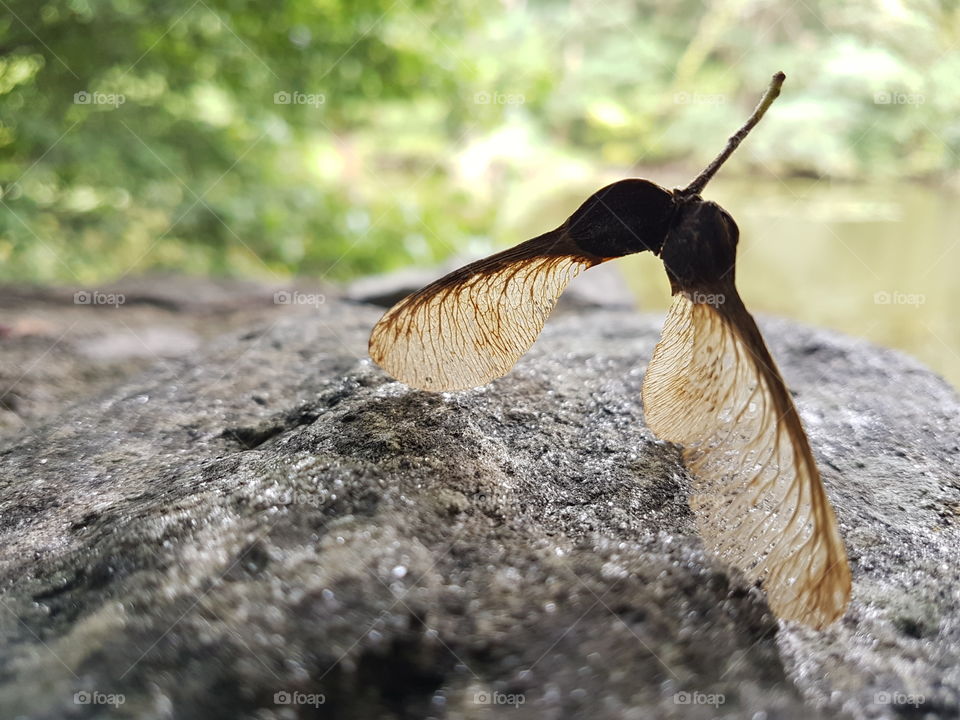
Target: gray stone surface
{"x": 58, "y": 345}
{"x": 269, "y": 513}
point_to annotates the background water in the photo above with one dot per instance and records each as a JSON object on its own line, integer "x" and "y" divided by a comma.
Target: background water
{"x": 875, "y": 260}
{"x": 878, "y": 261}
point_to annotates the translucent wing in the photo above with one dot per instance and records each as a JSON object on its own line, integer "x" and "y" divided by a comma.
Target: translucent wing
{"x": 758, "y": 498}
{"x": 472, "y": 325}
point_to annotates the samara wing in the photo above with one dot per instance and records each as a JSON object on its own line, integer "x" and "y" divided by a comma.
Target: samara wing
{"x": 713, "y": 387}
{"x": 471, "y": 326}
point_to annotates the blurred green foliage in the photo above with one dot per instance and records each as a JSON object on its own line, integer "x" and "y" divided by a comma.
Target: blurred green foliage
{"x": 335, "y": 138}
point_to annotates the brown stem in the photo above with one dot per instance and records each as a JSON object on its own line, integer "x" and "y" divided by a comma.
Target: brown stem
{"x": 696, "y": 187}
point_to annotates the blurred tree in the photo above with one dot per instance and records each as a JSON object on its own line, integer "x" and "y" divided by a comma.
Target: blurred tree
{"x": 334, "y": 138}
{"x": 207, "y": 135}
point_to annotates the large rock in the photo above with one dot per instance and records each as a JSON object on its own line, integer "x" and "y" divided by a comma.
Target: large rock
{"x": 271, "y": 517}
{"x": 60, "y": 344}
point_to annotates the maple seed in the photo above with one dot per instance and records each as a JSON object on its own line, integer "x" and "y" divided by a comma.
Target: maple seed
{"x": 711, "y": 386}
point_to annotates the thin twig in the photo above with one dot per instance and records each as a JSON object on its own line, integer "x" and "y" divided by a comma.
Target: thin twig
{"x": 696, "y": 187}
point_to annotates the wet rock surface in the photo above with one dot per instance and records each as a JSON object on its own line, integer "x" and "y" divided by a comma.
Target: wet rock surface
{"x": 269, "y": 518}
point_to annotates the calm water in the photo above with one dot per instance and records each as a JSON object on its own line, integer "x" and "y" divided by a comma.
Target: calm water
{"x": 879, "y": 262}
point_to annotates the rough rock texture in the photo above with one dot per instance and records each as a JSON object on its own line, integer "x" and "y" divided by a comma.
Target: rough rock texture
{"x": 270, "y": 513}
{"x": 58, "y": 345}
